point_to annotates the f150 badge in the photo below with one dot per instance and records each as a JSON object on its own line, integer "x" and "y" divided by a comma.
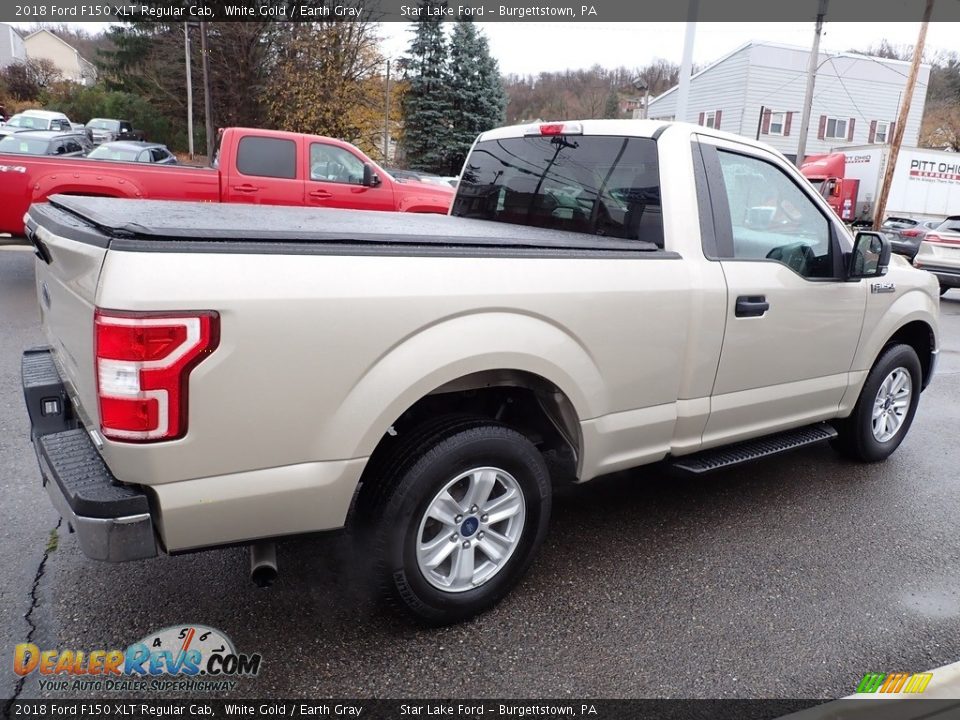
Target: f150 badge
{"x": 883, "y": 287}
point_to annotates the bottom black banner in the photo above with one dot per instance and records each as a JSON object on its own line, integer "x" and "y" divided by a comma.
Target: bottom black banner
{"x": 878, "y": 709}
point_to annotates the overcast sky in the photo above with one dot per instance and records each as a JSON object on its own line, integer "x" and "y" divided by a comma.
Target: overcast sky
{"x": 530, "y": 47}
{"x": 533, "y": 47}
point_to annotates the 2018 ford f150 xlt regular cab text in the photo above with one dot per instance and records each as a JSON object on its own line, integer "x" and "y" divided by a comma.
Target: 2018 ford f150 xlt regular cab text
{"x": 606, "y": 294}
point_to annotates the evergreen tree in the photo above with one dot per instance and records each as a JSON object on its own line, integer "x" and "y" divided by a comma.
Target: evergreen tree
{"x": 611, "y": 108}
{"x": 426, "y": 108}
{"x": 477, "y": 97}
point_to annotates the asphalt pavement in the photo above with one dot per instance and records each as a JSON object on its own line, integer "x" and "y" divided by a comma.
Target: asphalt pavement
{"x": 789, "y": 578}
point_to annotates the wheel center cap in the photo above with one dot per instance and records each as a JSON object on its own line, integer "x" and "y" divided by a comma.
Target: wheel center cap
{"x": 469, "y": 526}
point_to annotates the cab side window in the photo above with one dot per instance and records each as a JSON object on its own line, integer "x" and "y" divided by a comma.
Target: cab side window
{"x": 329, "y": 163}
{"x": 772, "y": 219}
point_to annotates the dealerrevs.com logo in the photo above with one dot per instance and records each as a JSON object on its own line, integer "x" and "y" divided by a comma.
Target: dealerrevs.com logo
{"x": 181, "y": 658}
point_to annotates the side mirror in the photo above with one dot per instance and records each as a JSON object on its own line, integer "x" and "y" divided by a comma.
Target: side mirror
{"x": 870, "y": 256}
{"x": 835, "y": 188}
{"x": 370, "y": 178}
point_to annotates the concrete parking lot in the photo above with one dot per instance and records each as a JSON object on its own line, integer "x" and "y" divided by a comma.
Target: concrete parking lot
{"x": 791, "y": 577}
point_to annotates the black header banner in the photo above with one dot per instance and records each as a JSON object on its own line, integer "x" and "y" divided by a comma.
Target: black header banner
{"x": 478, "y": 10}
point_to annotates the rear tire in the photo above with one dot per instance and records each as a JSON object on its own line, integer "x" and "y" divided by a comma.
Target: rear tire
{"x": 455, "y": 516}
{"x": 885, "y": 409}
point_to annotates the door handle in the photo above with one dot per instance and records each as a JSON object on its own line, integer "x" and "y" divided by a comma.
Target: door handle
{"x": 320, "y": 194}
{"x": 245, "y": 188}
{"x": 751, "y": 305}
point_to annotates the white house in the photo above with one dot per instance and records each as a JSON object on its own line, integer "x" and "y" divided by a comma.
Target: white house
{"x": 12, "y": 48}
{"x": 758, "y": 90}
{"x": 44, "y": 44}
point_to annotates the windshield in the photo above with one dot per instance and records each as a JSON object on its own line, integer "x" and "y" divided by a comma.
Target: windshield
{"x": 98, "y": 124}
{"x": 26, "y": 121}
{"x": 599, "y": 185}
{"x": 109, "y": 153}
{"x": 24, "y": 146}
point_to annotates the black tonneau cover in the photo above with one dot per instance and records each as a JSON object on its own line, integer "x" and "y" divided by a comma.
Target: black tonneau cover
{"x": 164, "y": 221}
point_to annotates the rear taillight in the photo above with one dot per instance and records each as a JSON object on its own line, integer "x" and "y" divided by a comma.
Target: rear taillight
{"x": 909, "y": 233}
{"x": 940, "y": 240}
{"x": 143, "y": 363}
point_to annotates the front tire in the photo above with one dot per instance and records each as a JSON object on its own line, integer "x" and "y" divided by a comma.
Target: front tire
{"x": 458, "y": 516}
{"x": 884, "y": 412}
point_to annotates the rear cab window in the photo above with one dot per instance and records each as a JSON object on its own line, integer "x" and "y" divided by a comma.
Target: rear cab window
{"x": 599, "y": 185}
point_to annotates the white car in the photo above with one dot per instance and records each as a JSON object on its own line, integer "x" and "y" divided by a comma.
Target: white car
{"x": 37, "y": 120}
{"x": 939, "y": 253}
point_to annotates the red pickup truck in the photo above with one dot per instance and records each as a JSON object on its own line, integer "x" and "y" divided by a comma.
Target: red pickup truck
{"x": 253, "y": 166}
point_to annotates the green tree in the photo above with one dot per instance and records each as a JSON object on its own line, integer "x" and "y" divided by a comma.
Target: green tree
{"x": 476, "y": 95}
{"x": 428, "y": 125}
{"x": 611, "y": 108}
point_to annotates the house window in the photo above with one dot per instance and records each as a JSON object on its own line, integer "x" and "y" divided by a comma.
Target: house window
{"x": 777, "y": 123}
{"x": 710, "y": 120}
{"x": 836, "y": 128}
{"x": 882, "y": 134}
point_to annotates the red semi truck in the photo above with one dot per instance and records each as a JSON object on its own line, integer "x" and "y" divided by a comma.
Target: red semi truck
{"x": 253, "y": 166}
{"x": 926, "y": 183}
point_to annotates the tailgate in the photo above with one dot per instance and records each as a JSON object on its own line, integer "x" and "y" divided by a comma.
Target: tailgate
{"x": 67, "y": 269}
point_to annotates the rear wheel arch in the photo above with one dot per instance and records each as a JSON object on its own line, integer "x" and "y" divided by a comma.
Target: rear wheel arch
{"x": 526, "y": 402}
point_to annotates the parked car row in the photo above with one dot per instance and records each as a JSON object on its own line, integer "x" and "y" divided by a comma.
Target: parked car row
{"x": 77, "y": 144}
{"x": 63, "y": 138}
{"x": 939, "y": 253}
{"x": 906, "y": 234}
{"x": 418, "y": 176}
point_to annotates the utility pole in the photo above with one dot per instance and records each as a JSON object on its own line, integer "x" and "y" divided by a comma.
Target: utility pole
{"x": 811, "y": 80}
{"x": 207, "y": 90}
{"x": 186, "y": 52}
{"x": 881, "y": 207}
{"x": 386, "y": 119}
{"x": 686, "y": 64}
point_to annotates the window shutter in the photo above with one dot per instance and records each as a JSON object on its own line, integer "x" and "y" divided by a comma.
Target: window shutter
{"x": 890, "y": 129}
{"x": 716, "y": 120}
{"x": 822, "y": 129}
{"x": 850, "y": 125}
{"x": 765, "y": 125}
{"x": 701, "y": 119}
{"x": 872, "y": 135}
{"x": 788, "y": 121}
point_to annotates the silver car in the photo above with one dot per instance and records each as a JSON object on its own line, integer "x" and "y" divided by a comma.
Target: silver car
{"x": 940, "y": 253}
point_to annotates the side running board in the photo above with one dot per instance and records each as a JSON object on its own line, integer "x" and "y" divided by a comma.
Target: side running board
{"x": 723, "y": 457}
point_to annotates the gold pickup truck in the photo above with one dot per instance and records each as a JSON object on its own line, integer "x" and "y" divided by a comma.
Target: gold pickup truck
{"x": 603, "y": 295}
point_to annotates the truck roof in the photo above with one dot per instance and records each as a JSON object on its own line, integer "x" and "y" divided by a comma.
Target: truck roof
{"x": 624, "y": 128}
{"x": 629, "y": 128}
{"x": 104, "y": 221}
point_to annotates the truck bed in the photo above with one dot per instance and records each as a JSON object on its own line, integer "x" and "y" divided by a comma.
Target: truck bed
{"x": 165, "y": 226}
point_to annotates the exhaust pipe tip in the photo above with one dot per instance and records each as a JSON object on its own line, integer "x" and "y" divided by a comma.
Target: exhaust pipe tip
{"x": 263, "y": 564}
